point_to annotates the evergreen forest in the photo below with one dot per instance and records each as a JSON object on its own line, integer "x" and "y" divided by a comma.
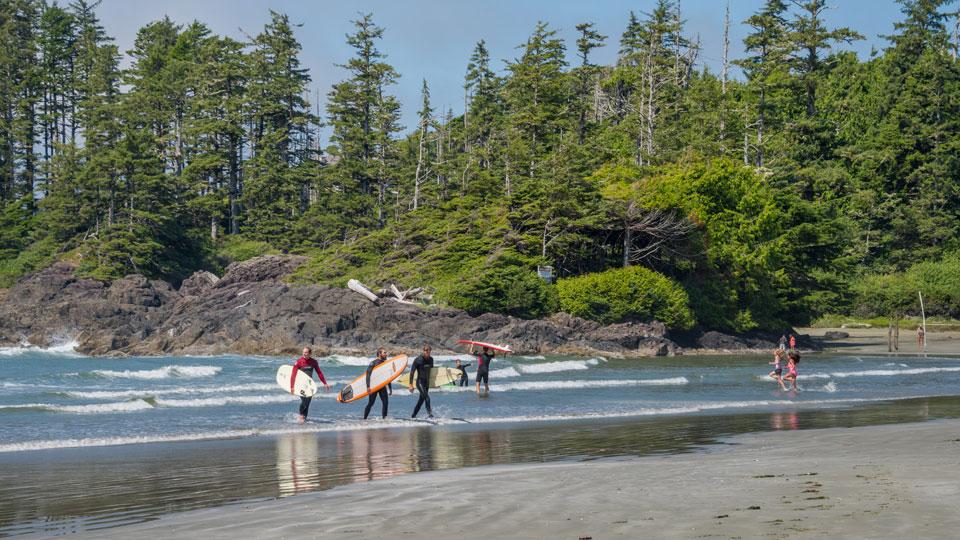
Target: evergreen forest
{"x": 814, "y": 182}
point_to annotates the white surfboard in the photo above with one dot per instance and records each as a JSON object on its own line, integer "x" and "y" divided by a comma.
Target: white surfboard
{"x": 303, "y": 386}
{"x": 439, "y": 376}
{"x": 381, "y": 376}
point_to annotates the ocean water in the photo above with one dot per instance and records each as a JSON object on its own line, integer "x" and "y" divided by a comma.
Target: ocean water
{"x": 91, "y": 443}
{"x": 59, "y": 399}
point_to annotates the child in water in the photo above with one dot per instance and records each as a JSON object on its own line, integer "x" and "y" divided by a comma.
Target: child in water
{"x": 794, "y": 359}
{"x": 778, "y": 368}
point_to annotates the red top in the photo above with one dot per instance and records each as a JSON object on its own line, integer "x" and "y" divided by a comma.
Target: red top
{"x": 307, "y": 365}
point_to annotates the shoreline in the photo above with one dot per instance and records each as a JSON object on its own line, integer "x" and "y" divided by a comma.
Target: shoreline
{"x": 890, "y": 481}
{"x": 860, "y": 340}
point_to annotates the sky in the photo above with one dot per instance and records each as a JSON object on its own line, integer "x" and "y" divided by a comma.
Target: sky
{"x": 433, "y": 39}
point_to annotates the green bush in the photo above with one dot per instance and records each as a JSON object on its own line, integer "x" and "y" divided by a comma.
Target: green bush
{"x": 881, "y": 295}
{"x": 626, "y": 294}
{"x": 238, "y": 249}
{"x": 510, "y": 290}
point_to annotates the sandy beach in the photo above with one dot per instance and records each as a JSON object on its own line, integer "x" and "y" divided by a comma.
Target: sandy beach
{"x": 896, "y": 481}
{"x": 874, "y": 340}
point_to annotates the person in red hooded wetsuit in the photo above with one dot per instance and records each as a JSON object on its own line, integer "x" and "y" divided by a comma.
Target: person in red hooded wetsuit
{"x": 307, "y": 365}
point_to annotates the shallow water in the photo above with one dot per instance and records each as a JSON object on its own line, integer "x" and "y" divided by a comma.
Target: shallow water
{"x": 91, "y": 443}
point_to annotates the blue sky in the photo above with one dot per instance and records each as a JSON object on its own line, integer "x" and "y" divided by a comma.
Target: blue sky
{"x": 433, "y": 39}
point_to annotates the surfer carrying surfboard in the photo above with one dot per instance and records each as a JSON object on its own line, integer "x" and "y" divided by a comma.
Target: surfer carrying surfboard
{"x": 483, "y": 368}
{"x": 382, "y": 393}
{"x": 421, "y": 369}
{"x": 307, "y": 365}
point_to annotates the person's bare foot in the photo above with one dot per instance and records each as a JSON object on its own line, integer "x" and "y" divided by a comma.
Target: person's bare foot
{"x": 301, "y": 419}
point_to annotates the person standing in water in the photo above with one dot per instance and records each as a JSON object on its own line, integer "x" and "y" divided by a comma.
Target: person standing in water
{"x": 421, "y": 369}
{"x": 920, "y": 336}
{"x": 794, "y": 359}
{"x": 778, "y": 368}
{"x": 464, "y": 379}
{"x": 307, "y": 365}
{"x": 483, "y": 368}
{"x": 382, "y": 393}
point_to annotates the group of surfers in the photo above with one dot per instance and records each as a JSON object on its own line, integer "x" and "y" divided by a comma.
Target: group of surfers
{"x": 418, "y": 378}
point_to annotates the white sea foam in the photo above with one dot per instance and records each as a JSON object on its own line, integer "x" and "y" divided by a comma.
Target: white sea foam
{"x": 830, "y": 387}
{"x": 64, "y": 349}
{"x": 223, "y": 400}
{"x": 101, "y": 408}
{"x": 563, "y": 385}
{"x": 166, "y": 372}
{"x": 504, "y": 373}
{"x": 553, "y": 367}
{"x": 537, "y": 357}
{"x": 344, "y": 360}
{"x": 881, "y": 373}
{"x": 178, "y": 391}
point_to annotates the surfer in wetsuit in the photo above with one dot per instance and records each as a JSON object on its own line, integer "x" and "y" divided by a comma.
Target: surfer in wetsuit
{"x": 483, "y": 368}
{"x": 307, "y": 365}
{"x": 464, "y": 379}
{"x": 382, "y": 393}
{"x": 421, "y": 368}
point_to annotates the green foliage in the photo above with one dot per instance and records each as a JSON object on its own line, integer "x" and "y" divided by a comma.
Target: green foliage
{"x": 626, "y": 294}
{"x": 498, "y": 288}
{"x": 880, "y": 295}
{"x": 238, "y": 249}
{"x": 201, "y": 151}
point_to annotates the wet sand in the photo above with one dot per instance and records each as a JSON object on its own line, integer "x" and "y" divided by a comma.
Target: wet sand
{"x": 874, "y": 341}
{"x": 893, "y": 481}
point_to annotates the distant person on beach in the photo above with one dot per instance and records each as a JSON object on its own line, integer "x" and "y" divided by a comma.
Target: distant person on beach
{"x": 381, "y": 393}
{"x": 794, "y": 359}
{"x": 793, "y": 342}
{"x": 778, "y": 368}
{"x": 464, "y": 379}
{"x": 421, "y": 369}
{"x": 483, "y": 368}
{"x": 920, "y": 337}
{"x": 307, "y": 365}
{"x": 783, "y": 342}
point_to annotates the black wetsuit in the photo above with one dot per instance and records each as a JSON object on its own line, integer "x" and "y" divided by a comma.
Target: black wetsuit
{"x": 382, "y": 393}
{"x": 464, "y": 379}
{"x": 421, "y": 367}
{"x": 483, "y": 368}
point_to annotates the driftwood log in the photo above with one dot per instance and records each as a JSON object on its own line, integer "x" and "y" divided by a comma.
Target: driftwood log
{"x": 392, "y": 292}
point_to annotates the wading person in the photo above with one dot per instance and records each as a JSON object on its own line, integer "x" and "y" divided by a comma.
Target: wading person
{"x": 464, "y": 379}
{"x": 793, "y": 360}
{"x": 307, "y": 365}
{"x": 421, "y": 370}
{"x": 777, "y": 372}
{"x": 483, "y": 368}
{"x": 381, "y": 393}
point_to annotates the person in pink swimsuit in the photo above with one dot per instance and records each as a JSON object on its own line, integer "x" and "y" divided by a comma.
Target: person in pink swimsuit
{"x": 793, "y": 360}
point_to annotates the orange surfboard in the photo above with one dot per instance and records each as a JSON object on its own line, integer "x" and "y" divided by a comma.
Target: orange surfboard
{"x": 381, "y": 376}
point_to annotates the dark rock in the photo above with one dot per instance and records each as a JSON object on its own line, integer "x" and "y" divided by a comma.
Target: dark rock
{"x": 200, "y": 282}
{"x": 833, "y": 334}
{"x": 250, "y": 311}
{"x": 269, "y": 268}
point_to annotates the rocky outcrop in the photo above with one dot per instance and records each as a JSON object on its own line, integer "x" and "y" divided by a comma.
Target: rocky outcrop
{"x": 252, "y": 311}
